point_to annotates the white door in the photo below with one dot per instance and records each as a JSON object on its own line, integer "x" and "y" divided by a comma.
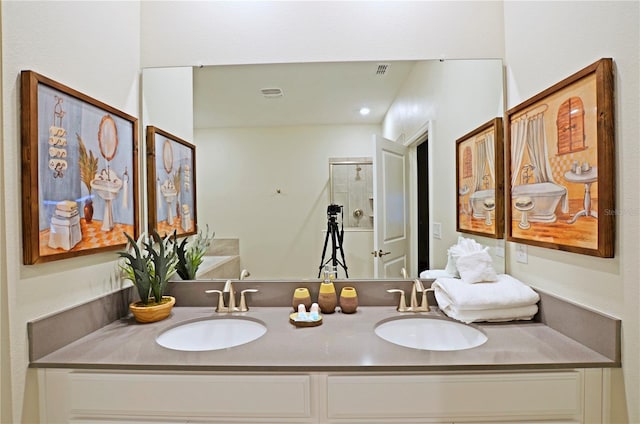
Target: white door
{"x": 391, "y": 211}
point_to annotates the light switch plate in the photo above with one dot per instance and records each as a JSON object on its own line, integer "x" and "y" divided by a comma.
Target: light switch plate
{"x": 521, "y": 253}
{"x": 500, "y": 249}
{"x": 436, "y": 228}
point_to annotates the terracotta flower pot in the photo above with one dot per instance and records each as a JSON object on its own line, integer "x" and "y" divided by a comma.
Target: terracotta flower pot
{"x": 152, "y": 312}
{"x": 348, "y": 300}
{"x": 88, "y": 210}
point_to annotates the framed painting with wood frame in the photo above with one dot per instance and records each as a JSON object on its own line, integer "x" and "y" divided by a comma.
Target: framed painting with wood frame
{"x": 560, "y": 165}
{"x": 480, "y": 181}
{"x": 79, "y": 172}
{"x": 171, "y": 183}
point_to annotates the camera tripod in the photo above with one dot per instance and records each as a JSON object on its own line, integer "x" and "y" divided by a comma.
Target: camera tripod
{"x": 336, "y": 241}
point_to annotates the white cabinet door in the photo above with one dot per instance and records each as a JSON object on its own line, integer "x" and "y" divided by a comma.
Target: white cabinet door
{"x": 458, "y": 397}
{"x": 75, "y": 396}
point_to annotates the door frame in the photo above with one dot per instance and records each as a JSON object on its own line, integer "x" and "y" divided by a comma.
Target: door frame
{"x": 422, "y": 135}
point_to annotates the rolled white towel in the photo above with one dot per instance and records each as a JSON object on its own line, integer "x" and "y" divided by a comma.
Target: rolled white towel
{"x": 506, "y": 292}
{"x": 464, "y": 247}
{"x": 476, "y": 267}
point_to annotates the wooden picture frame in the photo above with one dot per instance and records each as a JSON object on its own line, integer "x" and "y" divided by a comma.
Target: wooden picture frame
{"x": 564, "y": 136}
{"x": 79, "y": 172}
{"x": 480, "y": 181}
{"x": 171, "y": 183}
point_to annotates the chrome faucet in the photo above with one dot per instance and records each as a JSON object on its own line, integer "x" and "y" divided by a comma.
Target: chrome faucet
{"x": 414, "y": 306}
{"x": 227, "y": 299}
{"x": 526, "y": 173}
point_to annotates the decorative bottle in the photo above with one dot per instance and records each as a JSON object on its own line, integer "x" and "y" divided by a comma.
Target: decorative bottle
{"x": 348, "y": 300}
{"x": 301, "y": 296}
{"x": 327, "y": 297}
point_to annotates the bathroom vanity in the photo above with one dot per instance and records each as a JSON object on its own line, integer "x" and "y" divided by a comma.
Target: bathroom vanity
{"x": 338, "y": 372}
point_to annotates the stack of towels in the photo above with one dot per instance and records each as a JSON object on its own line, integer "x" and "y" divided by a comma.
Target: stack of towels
{"x": 473, "y": 291}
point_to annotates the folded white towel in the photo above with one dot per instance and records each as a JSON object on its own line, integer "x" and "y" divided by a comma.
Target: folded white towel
{"x": 506, "y": 292}
{"x": 435, "y": 273}
{"x": 519, "y": 313}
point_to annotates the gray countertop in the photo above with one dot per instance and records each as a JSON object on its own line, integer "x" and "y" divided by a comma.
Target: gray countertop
{"x": 343, "y": 343}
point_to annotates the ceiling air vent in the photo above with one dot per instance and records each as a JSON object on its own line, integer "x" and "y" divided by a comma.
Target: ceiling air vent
{"x": 382, "y": 68}
{"x": 271, "y": 93}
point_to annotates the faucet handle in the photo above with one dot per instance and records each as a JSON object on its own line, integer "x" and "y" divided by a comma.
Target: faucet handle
{"x": 402, "y": 306}
{"x": 243, "y": 303}
{"x": 424, "y": 304}
{"x": 220, "y": 307}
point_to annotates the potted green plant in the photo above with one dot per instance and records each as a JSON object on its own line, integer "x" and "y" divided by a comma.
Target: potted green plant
{"x": 149, "y": 264}
{"x": 190, "y": 253}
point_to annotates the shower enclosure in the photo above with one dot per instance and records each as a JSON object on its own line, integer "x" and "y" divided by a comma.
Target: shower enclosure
{"x": 351, "y": 186}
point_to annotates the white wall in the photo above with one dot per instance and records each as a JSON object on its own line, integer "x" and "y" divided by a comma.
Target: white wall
{"x": 212, "y": 33}
{"x": 94, "y": 48}
{"x": 167, "y": 103}
{"x": 167, "y": 100}
{"x": 546, "y": 42}
{"x": 281, "y": 234}
{"x": 5, "y": 362}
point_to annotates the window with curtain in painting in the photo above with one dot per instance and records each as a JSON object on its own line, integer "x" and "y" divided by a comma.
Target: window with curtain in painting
{"x": 570, "y": 123}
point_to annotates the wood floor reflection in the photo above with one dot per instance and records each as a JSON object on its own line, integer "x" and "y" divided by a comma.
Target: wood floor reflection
{"x": 582, "y": 233}
{"x": 467, "y": 222}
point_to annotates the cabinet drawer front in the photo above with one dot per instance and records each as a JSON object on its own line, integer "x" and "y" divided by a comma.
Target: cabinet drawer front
{"x": 172, "y": 395}
{"x": 554, "y": 395}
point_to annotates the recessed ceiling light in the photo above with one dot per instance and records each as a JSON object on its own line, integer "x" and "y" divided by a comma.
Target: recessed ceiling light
{"x": 365, "y": 111}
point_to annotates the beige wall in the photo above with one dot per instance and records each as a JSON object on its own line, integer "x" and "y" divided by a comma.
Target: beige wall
{"x": 5, "y": 363}
{"x": 546, "y": 42}
{"x": 212, "y": 33}
{"x": 281, "y": 234}
{"x": 456, "y": 97}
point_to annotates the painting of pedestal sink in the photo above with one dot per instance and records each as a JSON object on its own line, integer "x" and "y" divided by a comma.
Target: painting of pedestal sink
{"x": 171, "y": 183}
{"x": 79, "y": 172}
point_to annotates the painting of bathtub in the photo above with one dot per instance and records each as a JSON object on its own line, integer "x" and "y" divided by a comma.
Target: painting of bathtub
{"x": 479, "y": 181}
{"x": 558, "y": 142}
{"x": 545, "y": 196}
{"x": 478, "y": 199}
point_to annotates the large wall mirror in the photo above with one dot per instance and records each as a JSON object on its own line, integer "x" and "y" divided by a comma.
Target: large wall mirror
{"x": 265, "y": 136}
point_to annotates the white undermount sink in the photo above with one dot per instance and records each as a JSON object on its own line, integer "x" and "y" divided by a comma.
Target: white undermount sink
{"x": 430, "y": 334}
{"x": 211, "y": 334}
